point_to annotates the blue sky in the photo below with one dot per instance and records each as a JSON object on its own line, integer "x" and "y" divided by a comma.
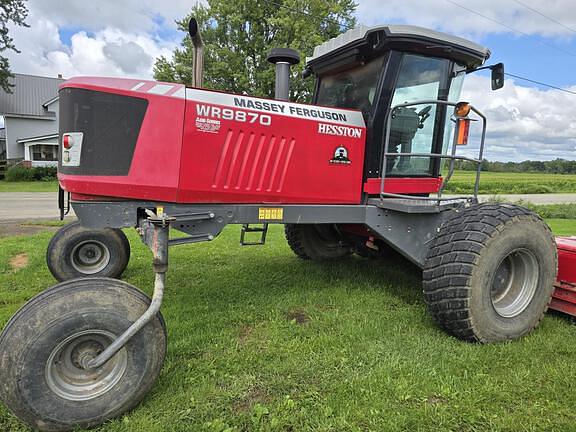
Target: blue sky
{"x": 526, "y": 56}
{"x": 122, "y": 38}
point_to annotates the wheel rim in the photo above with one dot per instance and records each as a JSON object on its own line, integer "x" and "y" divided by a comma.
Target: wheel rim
{"x": 68, "y": 379}
{"x": 514, "y": 283}
{"x": 90, "y": 257}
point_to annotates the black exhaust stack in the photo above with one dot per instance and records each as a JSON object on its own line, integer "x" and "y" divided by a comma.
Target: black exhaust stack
{"x": 198, "y": 60}
{"x": 283, "y": 58}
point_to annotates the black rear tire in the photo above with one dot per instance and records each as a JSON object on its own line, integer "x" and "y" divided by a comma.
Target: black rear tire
{"x": 43, "y": 344}
{"x": 316, "y": 241}
{"x": 75, "y": 252}
{"x": 489, "y": 273}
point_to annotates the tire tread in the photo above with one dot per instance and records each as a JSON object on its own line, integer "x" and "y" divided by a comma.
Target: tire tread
{"x": 458, "y": 246}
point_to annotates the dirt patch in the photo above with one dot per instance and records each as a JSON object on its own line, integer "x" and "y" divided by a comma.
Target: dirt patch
{"x": 254, "y": 396}
{"x": 245, "y": 332}
{"x": 18, "y": 262}
{"x": 299, "y": 316}
{"x": 10, "y": 229}
{"x": 435, "y": 400}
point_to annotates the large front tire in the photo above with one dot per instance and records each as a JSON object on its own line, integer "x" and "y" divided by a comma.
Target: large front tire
{"x": 489, "y": 273}
{"x": 75, "y": 252}
{"x": 316, "y": 241}
{"x": 45, "y": 344}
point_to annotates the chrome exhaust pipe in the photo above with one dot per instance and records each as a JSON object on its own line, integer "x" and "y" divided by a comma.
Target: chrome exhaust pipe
{"x": 198, "y": 60}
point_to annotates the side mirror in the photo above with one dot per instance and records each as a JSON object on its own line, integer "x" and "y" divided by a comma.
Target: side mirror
{"x": 497, "y": 76}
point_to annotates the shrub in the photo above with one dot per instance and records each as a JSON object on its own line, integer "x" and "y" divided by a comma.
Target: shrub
{"x": 19, "y": 173}
{"x": 553, "y": 211}
{"x": 545, "y": 211}
{"x": 44, "y": 173}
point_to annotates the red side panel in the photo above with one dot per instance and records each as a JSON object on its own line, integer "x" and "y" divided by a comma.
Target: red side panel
{"x": 403, "y": 185}
{"x": 564, "y": 296}
{"x": 239, "y": 149}
{"x": 566, "y": 259}
{"x": 154, "y": 172}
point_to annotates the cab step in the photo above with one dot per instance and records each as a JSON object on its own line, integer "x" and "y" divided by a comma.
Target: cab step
{"x": 407, "y": 205}
{"x": 246, "y": 228}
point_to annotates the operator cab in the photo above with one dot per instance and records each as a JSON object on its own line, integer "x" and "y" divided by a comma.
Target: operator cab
{"x": 374, "y": 69}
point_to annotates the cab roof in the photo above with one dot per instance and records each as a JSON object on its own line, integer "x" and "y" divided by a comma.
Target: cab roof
{"x": 364, "y": 40}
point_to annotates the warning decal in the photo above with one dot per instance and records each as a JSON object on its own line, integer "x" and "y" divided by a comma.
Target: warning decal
{"x": 266, "y": 213}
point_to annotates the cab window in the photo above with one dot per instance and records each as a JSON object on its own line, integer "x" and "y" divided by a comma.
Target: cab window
{"x": 353, "y": 88}
{"x": 413, "y": 129}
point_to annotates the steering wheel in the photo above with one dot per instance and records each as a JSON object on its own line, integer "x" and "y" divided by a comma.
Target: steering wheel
{"x": 424, "y": 113}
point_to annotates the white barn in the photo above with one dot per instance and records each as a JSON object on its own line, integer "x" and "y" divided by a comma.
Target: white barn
{"x": 31, "y": 120}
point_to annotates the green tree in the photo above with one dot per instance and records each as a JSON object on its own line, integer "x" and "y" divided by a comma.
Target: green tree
{"x": 10, "y": 11}
{"x": 238, "y": 34}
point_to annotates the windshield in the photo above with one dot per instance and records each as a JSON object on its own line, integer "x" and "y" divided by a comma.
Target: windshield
{"x": 354, "y": 88}
{"x": 413, "y": 129}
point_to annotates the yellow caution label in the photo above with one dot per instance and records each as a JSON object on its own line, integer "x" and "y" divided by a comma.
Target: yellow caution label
{"x": 267, "y": 213}
{"x": 159, "y": 211}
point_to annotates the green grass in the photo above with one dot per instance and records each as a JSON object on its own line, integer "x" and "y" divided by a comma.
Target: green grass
{"x": 562, "y": 227}
{"x": 33, "y": 186}
{"x": 262, "y": 341}
{"x": 553, "y": 211}
{"x": 512, "y": 183}
{"x": 546, "y": 211}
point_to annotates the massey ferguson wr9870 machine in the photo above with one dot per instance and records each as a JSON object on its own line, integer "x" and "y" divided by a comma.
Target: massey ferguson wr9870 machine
{"x": 358, "y": 171}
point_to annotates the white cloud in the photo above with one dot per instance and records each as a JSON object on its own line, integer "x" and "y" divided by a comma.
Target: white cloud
{"x": 127, "y": 15}
{"x": 108, "y": 51}
{"x": 129, "y": 56}
{"x": 445, "y": 15}
{"x": 144, "y": 15}
{"x": 524, "y": 122}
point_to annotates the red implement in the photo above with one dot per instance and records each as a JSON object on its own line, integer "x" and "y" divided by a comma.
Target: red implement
{"x": 564, "y": 297}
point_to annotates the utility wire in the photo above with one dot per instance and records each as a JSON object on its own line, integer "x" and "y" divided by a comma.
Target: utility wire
{"x": 309, "y": 15}
{"x": 540, "y": 83}
{"x": 545, "y": 16}
{"x": 511, "y": 28}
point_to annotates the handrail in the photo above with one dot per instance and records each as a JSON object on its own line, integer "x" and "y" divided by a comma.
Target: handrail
{"x": 452, "y": 156}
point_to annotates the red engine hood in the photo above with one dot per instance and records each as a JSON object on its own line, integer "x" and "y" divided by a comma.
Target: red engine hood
{"x": 128, "y": 86}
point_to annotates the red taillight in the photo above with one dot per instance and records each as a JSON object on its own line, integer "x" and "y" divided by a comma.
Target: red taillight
{"x": 67, "y": 141}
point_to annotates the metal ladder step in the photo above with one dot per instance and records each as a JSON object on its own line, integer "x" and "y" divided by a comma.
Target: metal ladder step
{"x": 246, "y": 228}
{"x": 406, "y": 205}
